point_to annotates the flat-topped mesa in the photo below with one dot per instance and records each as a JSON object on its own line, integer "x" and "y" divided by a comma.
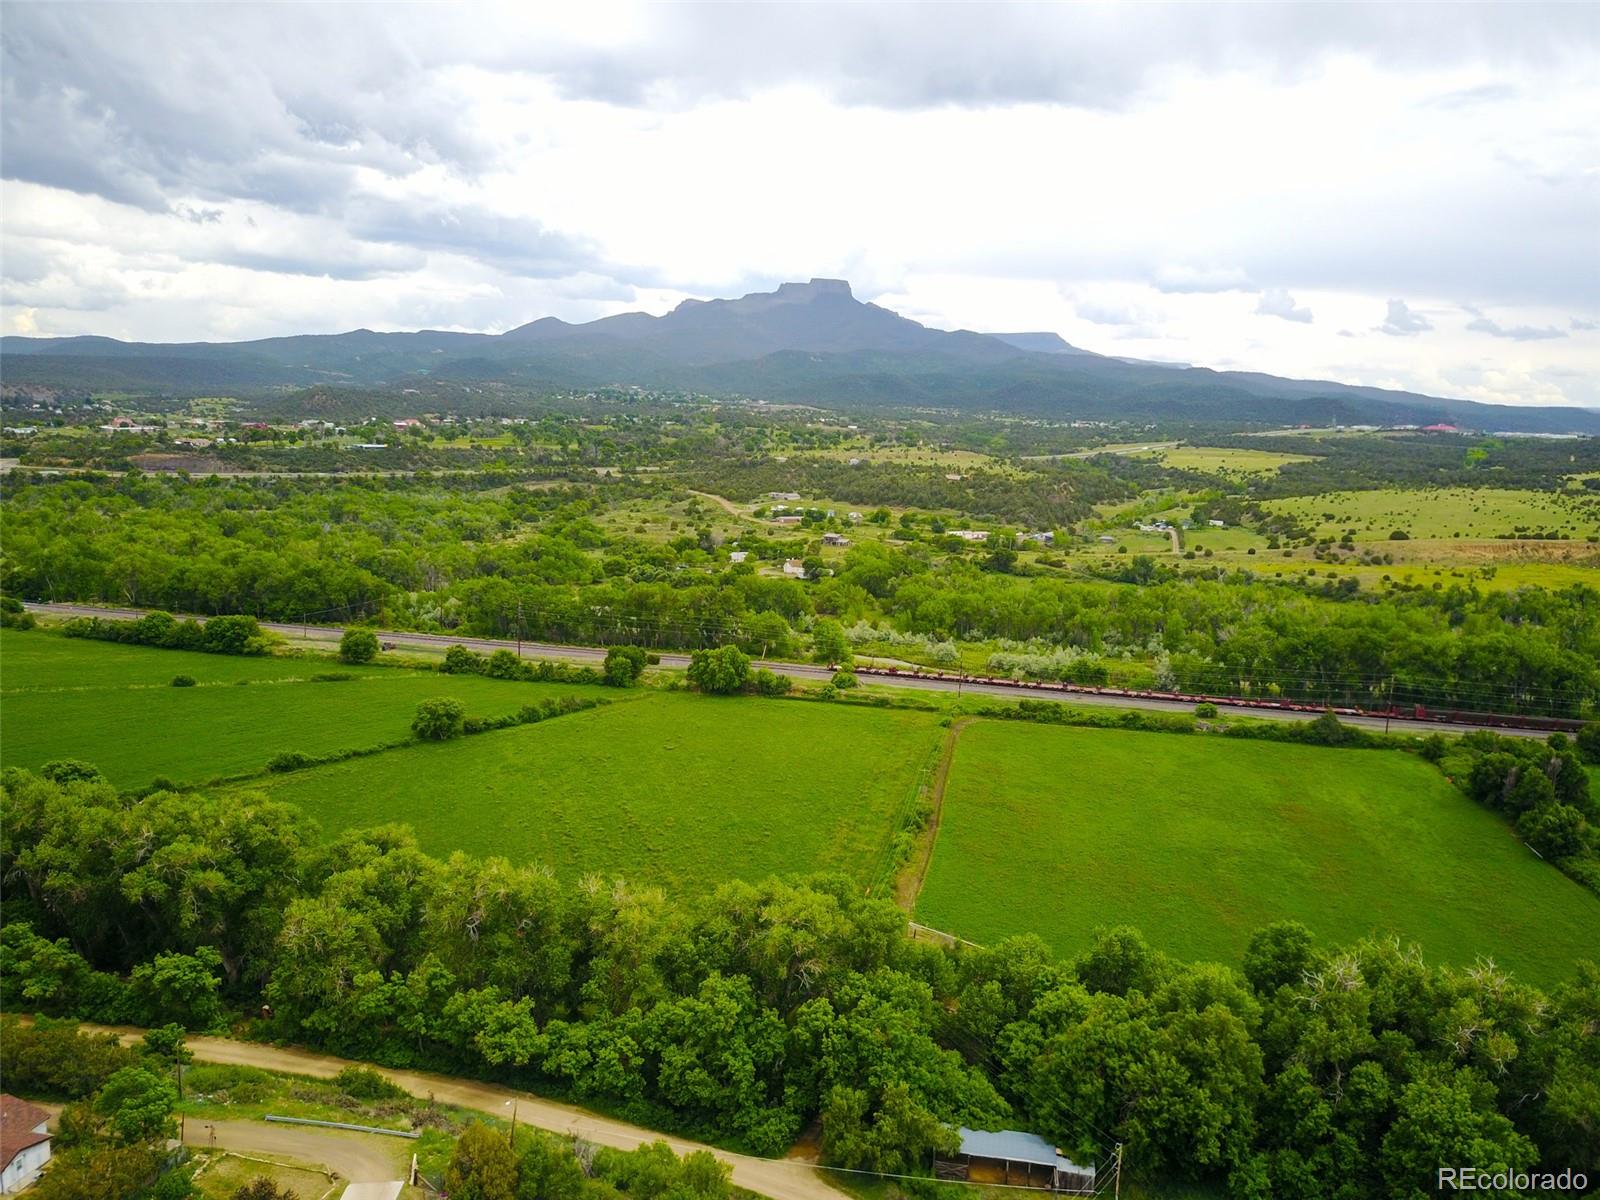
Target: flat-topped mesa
{"x": 816, "y": 287}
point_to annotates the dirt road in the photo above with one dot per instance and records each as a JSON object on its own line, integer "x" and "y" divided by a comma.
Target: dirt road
{"x": 781, "y": 1179}
{"x": 357, "y": 1157}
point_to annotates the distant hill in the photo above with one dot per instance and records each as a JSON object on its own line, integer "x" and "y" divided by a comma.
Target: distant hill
{"x": 809, "y": 342}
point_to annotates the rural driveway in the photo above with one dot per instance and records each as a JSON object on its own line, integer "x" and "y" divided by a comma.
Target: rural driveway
{"x": 358, "y": 1157}
{"x": 781, "y": 1179}
{"x": 926, "y": 683}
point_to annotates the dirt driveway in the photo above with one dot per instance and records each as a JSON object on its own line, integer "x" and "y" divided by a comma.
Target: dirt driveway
{"x": 357, "y": 1157}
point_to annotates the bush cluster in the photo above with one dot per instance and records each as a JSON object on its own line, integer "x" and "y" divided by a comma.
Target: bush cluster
{"x": 504, "y": 664}
{"x": 218, "y": 635}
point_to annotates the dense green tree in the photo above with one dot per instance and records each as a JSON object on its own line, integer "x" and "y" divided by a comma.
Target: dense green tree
{"x": 358, "y": 645}
{"x": 482, "y": 1166}
{"x": 439, "y": 719}
{"x": 624, "y": 665}
{"x": 719, "y": 672}
{"x": 137, "y": 1104}
{"x": 829, "y": 645}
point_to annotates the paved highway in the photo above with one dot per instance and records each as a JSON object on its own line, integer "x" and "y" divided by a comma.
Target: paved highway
{"x": 589, "y": 654}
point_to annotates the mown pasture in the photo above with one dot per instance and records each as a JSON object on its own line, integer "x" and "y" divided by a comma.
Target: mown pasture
{"x": 1443, "y": 513}
{"x": 1213, "y": 460}
{"x": 673, "y": 788}
{"x": 115, "y": 706}
{"x": 1199, "y": 841}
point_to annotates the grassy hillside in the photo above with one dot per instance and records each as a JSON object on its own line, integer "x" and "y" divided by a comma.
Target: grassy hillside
{"x": 1200, "y": 841}
{"x": 672, "y": 788}
{"x": 114, "y": 706}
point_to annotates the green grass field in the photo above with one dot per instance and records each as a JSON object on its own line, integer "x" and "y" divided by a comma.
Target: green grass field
{"x": 1219, "y": 460}
{"x": 674, "y": 789}
{"x": 114, "y": 706}
{"x": 1199, "y": 841}
{"x": 1443, "y": 512}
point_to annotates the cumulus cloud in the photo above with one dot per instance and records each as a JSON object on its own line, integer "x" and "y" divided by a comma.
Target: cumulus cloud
{"x": 1276, "y": 302}
{"x": 1402, "y": 322}
{"x": 1580, "y": 325}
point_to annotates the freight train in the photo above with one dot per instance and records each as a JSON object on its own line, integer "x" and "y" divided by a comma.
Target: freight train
{"x": 1407, "y": 712}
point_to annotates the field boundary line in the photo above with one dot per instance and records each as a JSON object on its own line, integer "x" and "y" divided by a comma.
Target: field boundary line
{"x": 908, "y": 884}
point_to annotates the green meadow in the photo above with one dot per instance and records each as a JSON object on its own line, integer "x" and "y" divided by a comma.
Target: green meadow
{"x": 115, "y": 706}
{"x": 1200, "y": 841}
{"x": 1443, "y": 513}
{"x": 672, "y": 788}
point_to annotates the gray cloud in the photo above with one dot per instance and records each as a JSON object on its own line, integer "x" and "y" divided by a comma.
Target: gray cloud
{"x": 1579, "y": 325}
{"x": 517, "y": 244}
{"x": 1402, "y": 322}
{"x": 1517, "y": 333}
{"x": 1276, "y": 302}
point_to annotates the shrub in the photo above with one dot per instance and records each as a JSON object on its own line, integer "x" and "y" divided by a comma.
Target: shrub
{"x": 504, "y": 664}
{"x": 624, "y": 665}
{"x": 439, "y": 719}
{"x": 363, "y": 1083}
{"x": 183, "y": 681}
{"x": 1205, "y": 709}
{"x": 458, "y": 660}
{"x": 719, "y": 672}
{"x": 1399, "y": 535}
{"x": 827, "y": 692}
{"x": 233, "y": 635}
{"x": 845, "y": 680}
{"x": 358, "y": 646}
{"x": 289, "y": 760}
{"x": 770, "y": 683}
{"x": 332, "y": 677}
{"x": 70, "y": 770}
{"x": 1587, "y": 741}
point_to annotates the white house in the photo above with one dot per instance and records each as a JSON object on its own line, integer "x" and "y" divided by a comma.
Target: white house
{"x": 1215, "y": 524}
{"x": 971, "y": 535}
{"x": 24, "y": 1143}
{"x": 738, "y": 556}
{"x": 794, "y": 568}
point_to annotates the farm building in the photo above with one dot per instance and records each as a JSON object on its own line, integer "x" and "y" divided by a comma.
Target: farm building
{"x": 783, "y": 495}
{"x": 1107, "y": 539}
{"x": 835, "y": 539}
{"x": 971, "y": 535}
{"x": 1015, "y": 1159}
{"x": 794, "y": 568}
{"x": 789, "y": 519}
{"x": 738, "y": 556}
{"x": 24, "y": 1143}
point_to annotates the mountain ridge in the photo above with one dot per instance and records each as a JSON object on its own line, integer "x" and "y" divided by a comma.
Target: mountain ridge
{"x": 810, "y": 342}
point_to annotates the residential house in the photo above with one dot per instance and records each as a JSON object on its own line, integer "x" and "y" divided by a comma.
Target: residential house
{"x": 788, "y": 519}
{"x": 835, "y": 539}
{"x": 794, "y": 568}
{"x": 24, "y": 1143}
{"x": 970, "y": 535}
{"x": 738, "y": 556}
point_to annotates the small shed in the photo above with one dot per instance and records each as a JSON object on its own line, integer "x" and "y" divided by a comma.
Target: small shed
{"x": 1015, "y": 1159}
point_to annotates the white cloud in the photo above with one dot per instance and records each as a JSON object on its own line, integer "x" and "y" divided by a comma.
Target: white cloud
{"x": 1164, "y": 174}
{"x": 1400, "y": 321}
{"x": 1276, "y": 302}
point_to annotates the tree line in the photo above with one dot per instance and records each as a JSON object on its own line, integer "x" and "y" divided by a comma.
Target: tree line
{"x": 748, "y": 1013}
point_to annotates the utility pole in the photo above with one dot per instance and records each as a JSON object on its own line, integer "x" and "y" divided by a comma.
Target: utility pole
{"x": 1388, "y": 708}
{"x": 1117, "y": 1184}
{"x": 519, "y": 627}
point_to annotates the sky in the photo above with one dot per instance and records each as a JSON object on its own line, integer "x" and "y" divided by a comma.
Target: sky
{"x": 1401, "y": 195}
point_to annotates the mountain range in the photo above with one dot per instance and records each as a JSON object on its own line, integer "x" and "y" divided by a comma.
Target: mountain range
{"x": 803, "y": 343}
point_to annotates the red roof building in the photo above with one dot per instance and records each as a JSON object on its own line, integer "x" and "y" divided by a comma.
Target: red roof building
{"x": 24, "y": 1143}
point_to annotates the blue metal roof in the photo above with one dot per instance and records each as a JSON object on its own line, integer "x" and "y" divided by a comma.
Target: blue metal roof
{"x": 1012, "y": 1145}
